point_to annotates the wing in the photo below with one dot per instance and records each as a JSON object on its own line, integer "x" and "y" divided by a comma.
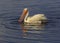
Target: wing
{"x": 37, "y": 17}
{"x": 34, "y": 18}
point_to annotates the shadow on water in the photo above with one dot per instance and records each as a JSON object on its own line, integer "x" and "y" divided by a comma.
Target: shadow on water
{"x": 32, "y": 32}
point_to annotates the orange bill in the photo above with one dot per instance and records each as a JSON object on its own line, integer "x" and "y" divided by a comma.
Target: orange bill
{"x": 23, "y": 15}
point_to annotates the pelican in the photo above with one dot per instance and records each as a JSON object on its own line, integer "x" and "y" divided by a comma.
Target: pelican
{"x": 37, "y": 18}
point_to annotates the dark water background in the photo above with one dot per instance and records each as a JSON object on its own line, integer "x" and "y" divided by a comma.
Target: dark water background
{"x": 11, "y": 31}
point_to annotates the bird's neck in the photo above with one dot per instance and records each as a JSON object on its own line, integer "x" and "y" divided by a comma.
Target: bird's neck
{"x": 25, "y": 19}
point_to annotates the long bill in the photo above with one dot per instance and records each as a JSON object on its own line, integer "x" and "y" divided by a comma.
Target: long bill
{"x": 21, "y": 19}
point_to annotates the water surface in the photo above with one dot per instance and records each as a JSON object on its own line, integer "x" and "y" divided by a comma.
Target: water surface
{"x": 12, "y": 32}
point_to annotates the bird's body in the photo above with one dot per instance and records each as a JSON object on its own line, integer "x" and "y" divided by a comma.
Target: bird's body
{"x": 37, "y": 18}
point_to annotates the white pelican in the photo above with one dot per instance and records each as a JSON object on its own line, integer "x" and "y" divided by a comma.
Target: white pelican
{"x": 38, "y": 18}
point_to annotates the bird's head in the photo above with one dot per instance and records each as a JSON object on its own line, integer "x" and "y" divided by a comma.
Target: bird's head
{"x": 24, "y": 13}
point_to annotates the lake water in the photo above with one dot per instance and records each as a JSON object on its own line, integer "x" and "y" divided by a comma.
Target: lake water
{"x": 13, "y": 32}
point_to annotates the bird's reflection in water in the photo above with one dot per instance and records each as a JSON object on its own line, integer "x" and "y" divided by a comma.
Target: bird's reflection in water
{"x": 31, "y": 31}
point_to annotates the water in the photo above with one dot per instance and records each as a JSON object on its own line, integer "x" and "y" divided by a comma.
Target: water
{"x": 13, "y": 32}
